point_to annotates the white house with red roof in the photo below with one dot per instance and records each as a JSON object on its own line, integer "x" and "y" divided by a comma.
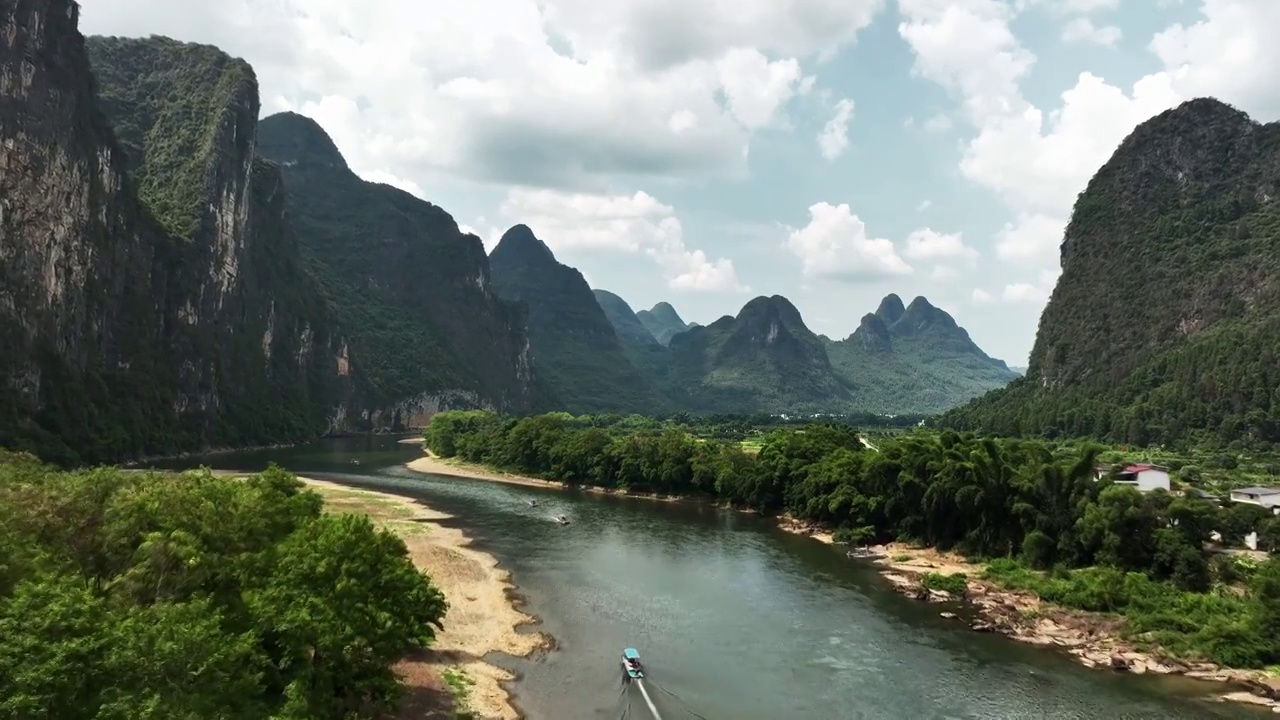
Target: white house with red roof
{"x": 1143, "y": 476}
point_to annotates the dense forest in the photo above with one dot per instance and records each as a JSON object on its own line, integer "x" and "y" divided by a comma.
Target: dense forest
{"x": 1034, "y": 506}
{"x": 136, "y": 595}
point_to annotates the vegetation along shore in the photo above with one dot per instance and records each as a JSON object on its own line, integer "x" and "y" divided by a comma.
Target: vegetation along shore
{"x": 1045, "y": 550}
{"x": 152, "y": 594}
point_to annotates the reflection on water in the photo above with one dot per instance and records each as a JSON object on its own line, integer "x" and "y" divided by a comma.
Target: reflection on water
{"x": 734, "y": 619}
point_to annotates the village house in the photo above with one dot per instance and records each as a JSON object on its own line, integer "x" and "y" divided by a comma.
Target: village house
{"x": 1143, "y": 476}
{"x": 1267, "y": 497}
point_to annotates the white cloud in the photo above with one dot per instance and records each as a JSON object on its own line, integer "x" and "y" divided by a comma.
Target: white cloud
{"x": 1070, "y": 7}
{"x": 1082, "y": 30}
{"x": 631, "y": 224}
{"x": 756, "y": 88}
{"x": 1229, "y": 54}
{"x": 929, "y": 244}
{"x": 924, "y": 205}
{"x": 835, "y": 244}
{"x": 982, "y": 297}
{"x": 968, "y": 48}
{"x": 1033, "y": 293}
{"x": 834, "y": 138}
{"x": 527, "y": 92}
{"x": 1032, "y": 238}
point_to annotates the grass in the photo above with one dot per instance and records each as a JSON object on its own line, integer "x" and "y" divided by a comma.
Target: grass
{"x": 955, "y": 584}
{"x": 460, "y": 685}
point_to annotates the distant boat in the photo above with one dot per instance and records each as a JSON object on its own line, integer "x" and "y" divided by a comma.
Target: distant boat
{"x": 864, "y": 554}
{"x": 562, "y": 520}
{"x": 533, "y": 503}
{"x": 355, "y": 462}
{"x": 631, "y": 664}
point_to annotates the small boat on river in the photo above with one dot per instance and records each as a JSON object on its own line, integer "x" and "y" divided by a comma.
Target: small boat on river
{"x": 631, "y": 664}
{"x": 864, "y": 553}
{"x": 562, "y": 520}
{"x": 533, "y": 503}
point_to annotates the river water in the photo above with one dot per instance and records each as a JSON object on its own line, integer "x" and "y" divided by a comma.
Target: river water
{"x": 734, "y": 619}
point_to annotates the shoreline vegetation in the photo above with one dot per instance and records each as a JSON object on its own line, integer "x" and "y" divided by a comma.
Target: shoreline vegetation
{"x": 1167, "y": 607}
{"x": 129, "y": 593}
{"x": 483, "y": 617}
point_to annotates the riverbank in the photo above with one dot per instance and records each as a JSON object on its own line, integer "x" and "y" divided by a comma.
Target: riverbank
{"x": 432, "y": 464}
{"x": 1095, "y": 640}
{"x": 483, "y": 615}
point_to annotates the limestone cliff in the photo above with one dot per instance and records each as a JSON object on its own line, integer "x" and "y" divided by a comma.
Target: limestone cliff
{"x": 408, "y": 287}
{"x": 1164, "y": 323}
{"x": 152, "y": 297}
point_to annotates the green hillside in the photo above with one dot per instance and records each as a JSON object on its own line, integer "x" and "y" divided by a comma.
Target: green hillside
{"x": 1165, "y": 324}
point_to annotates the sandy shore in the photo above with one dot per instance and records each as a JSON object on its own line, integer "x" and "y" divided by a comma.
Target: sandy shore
{"x": 482, "y": 617}
{"x": 1093, "y": 639}
{"x": 452, "y": 467}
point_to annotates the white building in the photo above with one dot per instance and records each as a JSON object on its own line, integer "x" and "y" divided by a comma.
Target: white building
{"x": 1143, "y": 476}
{"x": 1266, "y": 497}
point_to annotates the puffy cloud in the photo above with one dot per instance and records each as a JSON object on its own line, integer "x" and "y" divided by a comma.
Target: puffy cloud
{"x": 1228, "y": 54}
{"x": 1082, "y": 30}
{"x": 519, "y": 91}
{"x": 834, "y": 138}
{"x": 968, "y": 48}
{"x": 982, "y": 297}
{"x": 661, "y": 34}
{"x": 631, "y": 224}
{"x": 1032, "y": 238}
{"x": 835, "y": 245}
{"x": 929, "y": 244}
{"x": 1035, "y": 293}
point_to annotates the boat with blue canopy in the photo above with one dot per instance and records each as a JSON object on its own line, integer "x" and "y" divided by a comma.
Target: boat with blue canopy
{"x": 631, "y": 663}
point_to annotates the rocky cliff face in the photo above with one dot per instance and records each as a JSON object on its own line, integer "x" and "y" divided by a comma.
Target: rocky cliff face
{"x": 1163, "y": 324}
{"x": 152, "y": 298}
{"x": 580, "y": 363}
{"x": 409, "y": 289}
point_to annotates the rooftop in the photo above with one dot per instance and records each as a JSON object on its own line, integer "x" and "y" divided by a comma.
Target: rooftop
{"x": 1257, "y": 490}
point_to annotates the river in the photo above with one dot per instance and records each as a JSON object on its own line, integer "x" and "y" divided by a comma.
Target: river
{"x": 734, "y": 619}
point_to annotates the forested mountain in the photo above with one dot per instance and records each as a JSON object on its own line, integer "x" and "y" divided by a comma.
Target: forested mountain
{"x": 409, "y": 289}
{"x": 578, "y": 361}
{"x": 763, "y": 360}
{"x": 158, "y": 297}
{"x": 1165, "y": 323}
{"x": 913, "y": 359}
{"x": 625, "y": 323}
{"x": 155, "y": 300}
{"x": 663, "y": 322}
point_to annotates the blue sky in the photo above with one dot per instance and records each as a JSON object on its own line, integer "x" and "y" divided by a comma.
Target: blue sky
{"x": 703, "y": 152}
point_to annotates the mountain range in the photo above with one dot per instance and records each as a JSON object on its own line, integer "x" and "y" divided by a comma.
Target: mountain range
{"x": 901, "y": 359}
{"x": 180, "y": 276}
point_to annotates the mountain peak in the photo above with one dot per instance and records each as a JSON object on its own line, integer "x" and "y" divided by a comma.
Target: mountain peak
{"x": 519, "y": 243}
{"x": 771, "y": 306}
{"x": 663, "y": 322}
{"x": 921, "y": 315}
{"x": 890, "y": 309}
{"x": 292, "y": 139}
{"x": 872, "y": 333}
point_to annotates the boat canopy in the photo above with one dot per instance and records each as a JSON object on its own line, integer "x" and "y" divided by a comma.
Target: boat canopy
{"x": 631, "y": 654}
